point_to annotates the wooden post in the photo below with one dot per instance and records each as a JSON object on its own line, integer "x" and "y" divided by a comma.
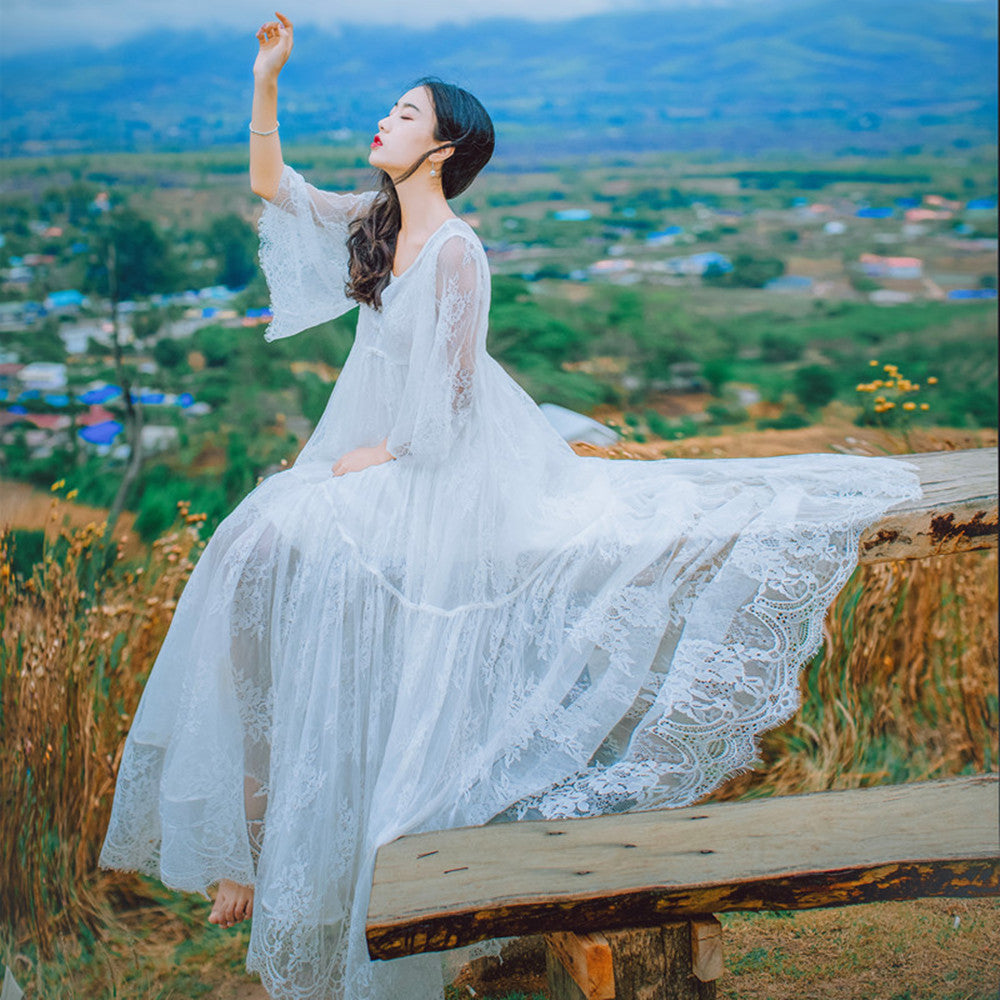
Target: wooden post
{"x": 679, "y": 960}
{"x": 706, "y": 948}
{"x": 579, "y": 966}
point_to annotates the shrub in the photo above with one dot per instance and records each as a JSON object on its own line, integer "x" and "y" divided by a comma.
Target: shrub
{"x": 787, "y": 421}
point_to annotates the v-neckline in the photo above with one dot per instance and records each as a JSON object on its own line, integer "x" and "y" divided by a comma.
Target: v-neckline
{"x": 413, "y": 263}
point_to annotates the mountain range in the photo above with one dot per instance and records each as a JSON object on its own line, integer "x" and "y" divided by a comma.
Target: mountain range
{"x": 799, "y": 75}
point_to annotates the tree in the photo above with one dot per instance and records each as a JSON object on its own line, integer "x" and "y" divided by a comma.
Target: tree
{"x": 169, "y": 353}
{"x": 130, "y": 258}
{"x": 814, "y": 386}
{"x": 233, "y": 242}
{"x": 717, "y": 372}
{"x": 143, "y": 261}
{"x": 46, "y": 344}
{"x": 747, "y": 272}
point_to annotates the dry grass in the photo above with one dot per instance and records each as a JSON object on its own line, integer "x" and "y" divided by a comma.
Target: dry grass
{"x": 77, "y": 640}
{"x": 904, "y": 690}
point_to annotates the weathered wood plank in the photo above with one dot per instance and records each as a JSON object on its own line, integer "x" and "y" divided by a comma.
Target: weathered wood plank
{"x": 958, "y": 512}
{"x": 435, "y": 891}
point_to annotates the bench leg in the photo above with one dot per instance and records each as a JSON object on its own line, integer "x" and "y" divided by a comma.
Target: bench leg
{"x": 679, "y": 961}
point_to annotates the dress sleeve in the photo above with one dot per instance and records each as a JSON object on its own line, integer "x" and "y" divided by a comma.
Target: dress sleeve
{"x": 303, "y": 252}
{"x": 439, "y": 395}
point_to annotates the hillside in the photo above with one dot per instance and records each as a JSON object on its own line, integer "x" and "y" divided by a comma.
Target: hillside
{"x": 793, "y": 74}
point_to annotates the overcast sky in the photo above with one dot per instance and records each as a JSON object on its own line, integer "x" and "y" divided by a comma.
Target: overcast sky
{"x": 29, "y": 25}
{"x": 32, "y": 25}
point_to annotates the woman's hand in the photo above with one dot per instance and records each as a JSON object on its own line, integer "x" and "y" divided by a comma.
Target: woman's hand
{"x": 275, "y": 39}
{"x": 360, "y": 458}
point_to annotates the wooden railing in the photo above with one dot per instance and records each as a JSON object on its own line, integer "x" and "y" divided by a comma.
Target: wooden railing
{"x": 626, "y": 902}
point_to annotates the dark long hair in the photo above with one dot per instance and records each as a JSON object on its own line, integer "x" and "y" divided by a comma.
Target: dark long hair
{"x": 461, "y": 122}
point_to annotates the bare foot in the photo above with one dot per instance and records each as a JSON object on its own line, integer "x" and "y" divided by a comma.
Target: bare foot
{"x": 233, "y": 903}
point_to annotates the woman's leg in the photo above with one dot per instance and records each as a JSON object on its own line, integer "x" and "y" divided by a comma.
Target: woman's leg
{"x": 250, "y": 654}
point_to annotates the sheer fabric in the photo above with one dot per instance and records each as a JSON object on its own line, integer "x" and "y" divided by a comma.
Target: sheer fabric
{"x": 488, "y": 627}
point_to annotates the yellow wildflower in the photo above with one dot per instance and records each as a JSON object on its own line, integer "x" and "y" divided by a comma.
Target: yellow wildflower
{"x": 58, "y": 485}
{"x": 71, "y": 494}
{"x": 873, "y": 362}
{"x": 925, "y": 406}
{"x": 909, "y": 405}
{"x": 932, "y": 380}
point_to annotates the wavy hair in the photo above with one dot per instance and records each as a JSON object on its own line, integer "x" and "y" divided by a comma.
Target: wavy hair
{"x": 461, "y": 122}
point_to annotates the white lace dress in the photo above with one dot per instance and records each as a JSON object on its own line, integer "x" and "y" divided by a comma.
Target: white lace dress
{"x": 488, "y": 624}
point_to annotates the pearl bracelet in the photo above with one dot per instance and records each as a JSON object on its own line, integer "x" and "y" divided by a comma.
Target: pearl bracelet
{"x": 255, "y": 132}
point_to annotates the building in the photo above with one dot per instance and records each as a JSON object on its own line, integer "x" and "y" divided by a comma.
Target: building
{"x": 698, "y": 263}
{"x": 876, "y": 266}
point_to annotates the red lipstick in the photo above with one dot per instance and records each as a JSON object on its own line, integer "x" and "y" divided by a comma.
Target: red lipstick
{"x": 376, "y": 142}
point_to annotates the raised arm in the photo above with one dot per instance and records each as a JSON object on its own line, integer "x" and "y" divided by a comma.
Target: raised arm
{"x": 266, "y": 164}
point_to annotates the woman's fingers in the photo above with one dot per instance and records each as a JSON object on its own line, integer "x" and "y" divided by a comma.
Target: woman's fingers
{"x": 284, "y": 20}
{"x": 270, "y": 28}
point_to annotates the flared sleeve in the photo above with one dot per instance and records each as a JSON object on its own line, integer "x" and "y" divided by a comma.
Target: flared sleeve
{"x": 439, "y": 395}
{"x": 303, "y": 252}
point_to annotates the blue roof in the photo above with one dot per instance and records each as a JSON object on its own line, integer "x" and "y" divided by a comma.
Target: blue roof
{"x": 907, "y": 202}
{"x": 150, "y": 397}
{"x": 572, "y": 214}
{"x": 982, "y": 204}
{"x": 972, "y": 293}
{"x": 17, "y": 408}
{"x": 65, "y": 297}
{"x": 102, "y": 433}
{"x": 790, "y": 281}
{"x": 57, "y": 398}
{"x": 185, "y": 399}
{"x": 874, "y": 213}
{"x": 101, "y": 394}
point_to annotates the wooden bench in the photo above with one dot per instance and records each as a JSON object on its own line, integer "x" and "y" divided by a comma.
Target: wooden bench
{"x": 957, "y": 513}
{"x": 632, "y": 896}
{"x": 626, "y": 903}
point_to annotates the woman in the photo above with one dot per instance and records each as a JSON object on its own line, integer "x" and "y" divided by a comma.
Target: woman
{"x": 440, "y": 614}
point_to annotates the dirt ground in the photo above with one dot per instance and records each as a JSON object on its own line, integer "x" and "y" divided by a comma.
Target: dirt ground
{"x": 837, "y": 433}
{"x": 25, "y": 506}
{"x": 924, "y": 949}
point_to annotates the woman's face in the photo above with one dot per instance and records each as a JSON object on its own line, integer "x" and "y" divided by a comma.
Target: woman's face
{"x": 405, "y": 133}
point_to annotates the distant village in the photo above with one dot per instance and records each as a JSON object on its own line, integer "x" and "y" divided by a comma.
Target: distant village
{"x": 85, "y": 329}
{"x": 908, "y": 274}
